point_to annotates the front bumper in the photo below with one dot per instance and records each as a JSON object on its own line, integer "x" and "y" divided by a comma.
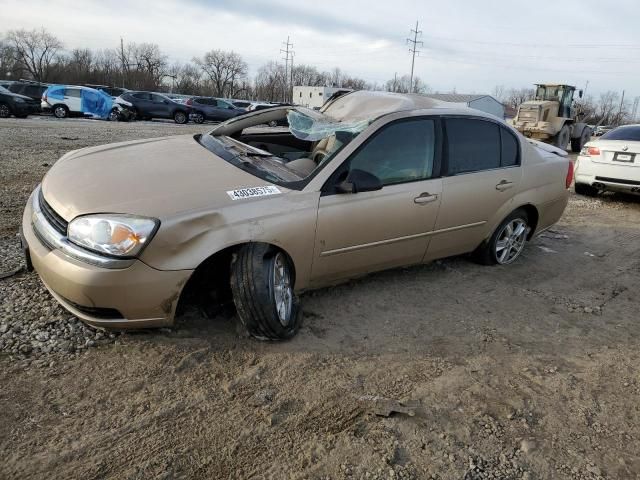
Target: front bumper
{"x": 25, "y": 108}
{"x": 133, "y": 296}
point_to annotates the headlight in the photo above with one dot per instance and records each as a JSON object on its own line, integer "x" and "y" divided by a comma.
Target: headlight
{"x": 19, "y": 100}
{"x": 120, "y": 235}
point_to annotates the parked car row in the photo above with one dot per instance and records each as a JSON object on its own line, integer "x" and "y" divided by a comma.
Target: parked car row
{"x": 114, "y": 103}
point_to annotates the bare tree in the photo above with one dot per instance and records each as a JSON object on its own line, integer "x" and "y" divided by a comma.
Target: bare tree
{"x": 307, "y": 75}
{"x": 227, "y": 71}
{"x": 36, "y": 50}
{"x": 270, "y": 83}
{"x": 401, "y": 85}
{"x": 187, "y": 78}
{"x": 515, "y": 96}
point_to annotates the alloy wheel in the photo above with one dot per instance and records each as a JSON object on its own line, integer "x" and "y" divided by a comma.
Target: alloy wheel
{"x": 282, "y": 291}
{"x": 60, "y": 112}
{"x": 511, "y": 240}
{"x": 4, "y": 111}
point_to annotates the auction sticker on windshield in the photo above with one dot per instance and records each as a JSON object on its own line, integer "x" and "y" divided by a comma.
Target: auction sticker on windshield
{"x": 243, "y": 193}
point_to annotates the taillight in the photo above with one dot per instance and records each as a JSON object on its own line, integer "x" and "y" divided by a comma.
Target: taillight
{"x": 590, "y": 151}
{"x": 569, "y": 180}
{"x": 189, "y": 101}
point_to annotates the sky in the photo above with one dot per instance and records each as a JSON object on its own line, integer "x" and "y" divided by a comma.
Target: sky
{"x": 468, "y": 46}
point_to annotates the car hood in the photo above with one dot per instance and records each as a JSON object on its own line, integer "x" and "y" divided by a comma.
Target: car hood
{"x": 157, "y": 177}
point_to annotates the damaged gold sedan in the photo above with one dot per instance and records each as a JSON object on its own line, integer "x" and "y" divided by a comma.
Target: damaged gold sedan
{"x": 124, "y": 234}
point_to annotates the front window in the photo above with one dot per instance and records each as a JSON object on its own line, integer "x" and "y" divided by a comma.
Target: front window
{"x": 549, "y": 92}
{"x": 401, "y": 152}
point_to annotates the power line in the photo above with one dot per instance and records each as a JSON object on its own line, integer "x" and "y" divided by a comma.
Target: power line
{"x": 414, "y": 50}
{"x": 287, "y": 52}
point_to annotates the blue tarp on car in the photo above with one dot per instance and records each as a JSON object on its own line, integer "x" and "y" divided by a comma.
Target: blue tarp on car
{"x": 93, "y": 103}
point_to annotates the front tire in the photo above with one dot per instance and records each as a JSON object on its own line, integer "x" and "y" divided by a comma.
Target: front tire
{"x": 198, "y": 118}
{"x": 585, "y": 189}
{"x": 262, "y": 281}
{"x": 180, "y": 118}
{"x": 507, "y": 242}
{"x": 5, "y": 111}
{"x": 562, "y": 138}
{"x": 578, "y": 143}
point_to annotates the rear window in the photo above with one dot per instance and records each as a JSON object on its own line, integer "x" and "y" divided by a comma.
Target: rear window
{"x": 72, "y": 92}
{"x": 630, "y": 133}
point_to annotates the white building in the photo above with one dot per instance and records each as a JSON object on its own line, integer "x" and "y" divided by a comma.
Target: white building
{"x": 484, "y": 103}
{"x": 314, "y": 97}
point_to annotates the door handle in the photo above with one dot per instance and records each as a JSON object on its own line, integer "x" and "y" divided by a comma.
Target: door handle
{"x": 425, "y": 197}
{"x": 504, "y": 185}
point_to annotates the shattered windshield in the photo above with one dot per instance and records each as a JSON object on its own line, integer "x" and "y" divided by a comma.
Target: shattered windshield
{"x": 287, "y": 158}
{"x": 317, "y": 127}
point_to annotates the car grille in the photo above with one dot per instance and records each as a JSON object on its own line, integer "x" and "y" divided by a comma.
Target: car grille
{"x": 55, "y": 220}
{"x": 618, "y": 180}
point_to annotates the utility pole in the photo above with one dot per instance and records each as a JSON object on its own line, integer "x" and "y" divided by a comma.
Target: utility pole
{"x": 395, "y": 82}
{"x": 414, "y": 49}
{"x": 287, "y": 52}
{"x": 122, "y": 58}
{"x": 620, "y": 109}
{"x": 291, "y": 75}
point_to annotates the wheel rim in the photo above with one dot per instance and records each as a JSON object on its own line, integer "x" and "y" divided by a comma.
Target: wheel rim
{"x": 199, "y": 118}
{"x": 282, "y": 292}
{"x": 60, "y": 112}
{"x": 511, "y": 240}
{"x": 4, "y": 111}
{"x": 180, "y": 117}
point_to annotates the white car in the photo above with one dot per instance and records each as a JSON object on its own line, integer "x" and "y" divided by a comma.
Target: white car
{"x": 610, "y": 163}
{"x": 67, "y": 100}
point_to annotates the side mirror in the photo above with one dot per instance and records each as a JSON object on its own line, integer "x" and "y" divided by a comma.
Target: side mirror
{"x": 580, "y": 93}
{"x": 359, "y": 181}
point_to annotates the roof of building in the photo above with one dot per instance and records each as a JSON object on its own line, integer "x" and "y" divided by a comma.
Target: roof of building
{"x": 457, "y": 97}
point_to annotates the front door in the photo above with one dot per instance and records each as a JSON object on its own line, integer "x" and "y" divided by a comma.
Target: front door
{"x": 372, "y": 230}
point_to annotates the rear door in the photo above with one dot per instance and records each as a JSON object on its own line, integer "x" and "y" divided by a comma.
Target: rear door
{"x": 72, "y": 99}
{"x": 372, "y": 230}
{"x": 482, "y": 175}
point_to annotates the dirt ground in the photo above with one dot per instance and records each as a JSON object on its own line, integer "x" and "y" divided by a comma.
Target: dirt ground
{"x": 529, "y": 371}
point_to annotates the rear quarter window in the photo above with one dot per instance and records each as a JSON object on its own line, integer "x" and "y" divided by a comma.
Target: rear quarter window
{"x": 72, "y": 92}
{"x": 510, "y": 156}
